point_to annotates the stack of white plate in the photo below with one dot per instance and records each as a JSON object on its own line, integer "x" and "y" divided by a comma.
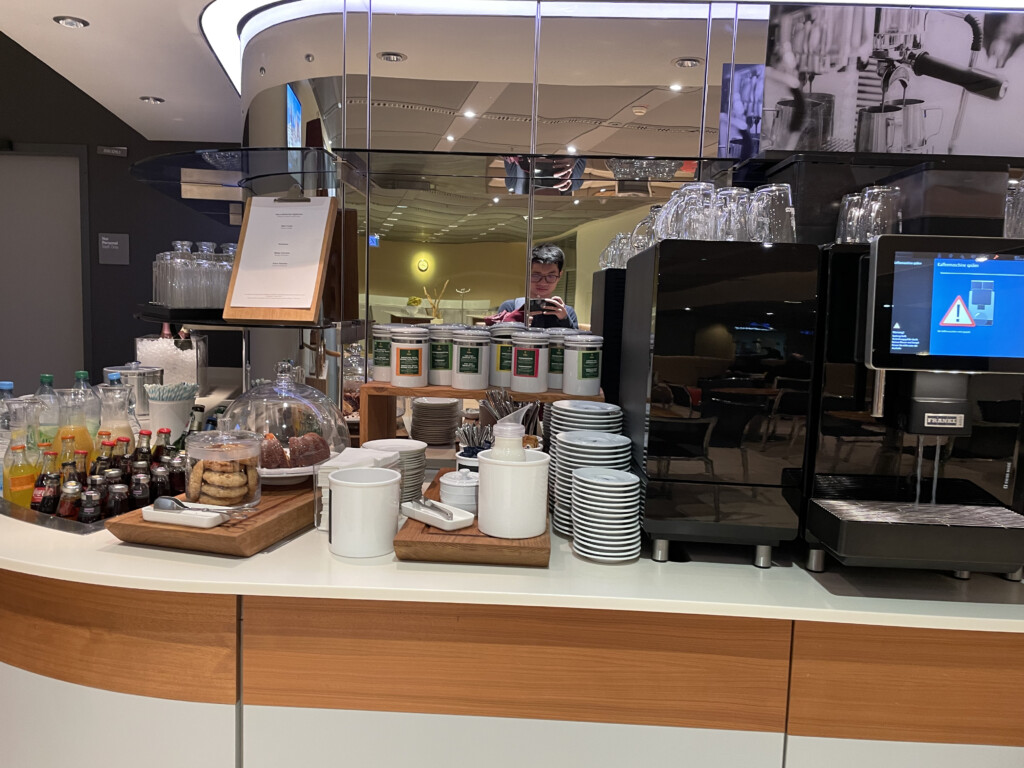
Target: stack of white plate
{"x": 582, "y": 449}
{"x": 412, "y": 460}
{"x": 434, "y": 419}
{"x": 576, "y": 415}
{"x": 605, "y": 514}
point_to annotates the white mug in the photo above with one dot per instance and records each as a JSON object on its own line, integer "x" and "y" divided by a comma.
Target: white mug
{"x": 364, "y": 511}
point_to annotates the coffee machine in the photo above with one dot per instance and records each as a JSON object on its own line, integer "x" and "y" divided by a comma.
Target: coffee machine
{"x": 918, "y": 438}
{"x": 719, "y": 346}
{"x": 879, "y": 53}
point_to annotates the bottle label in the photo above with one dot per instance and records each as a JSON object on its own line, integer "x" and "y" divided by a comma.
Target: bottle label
{"x": 556, "y": 360}
{"x": 589, "y": 365}
{"x": 409, "y": 362}
{"x": 469, "y": 360}
{"x": 37, "y": 496}
{"x": 526, "y": 363}
{"x": 440, "y": 356}
{"x": 22, "y": 482}
{"x": 503, "y": 360}
{"x": 382, "y": 353}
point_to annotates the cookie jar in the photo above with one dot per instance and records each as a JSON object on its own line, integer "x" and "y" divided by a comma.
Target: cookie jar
{"x": 223, "y": 468}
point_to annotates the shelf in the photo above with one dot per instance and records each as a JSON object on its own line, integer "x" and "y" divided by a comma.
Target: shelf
{"x": 157, "y": 313}
{"x": 377, "y": 409}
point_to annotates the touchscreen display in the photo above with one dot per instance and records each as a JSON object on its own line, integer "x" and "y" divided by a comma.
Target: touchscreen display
{"x": 957, "y": 304}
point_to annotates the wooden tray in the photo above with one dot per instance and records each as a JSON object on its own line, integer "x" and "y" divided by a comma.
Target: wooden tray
{"x": 282, "y": 511}
{"x": 416, "y": 541}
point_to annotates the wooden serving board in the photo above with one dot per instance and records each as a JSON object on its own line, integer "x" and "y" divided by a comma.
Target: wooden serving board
{"x": 416, "y": 541}
{"x": 282, "y": 511}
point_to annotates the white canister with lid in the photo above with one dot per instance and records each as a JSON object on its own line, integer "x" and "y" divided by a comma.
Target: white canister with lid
{"x": 501, "y": 353}
{"x": 409, "y": 356}
{"x": 530, "y": 362}
{"x": 382, "y": 352}
{"x": 472, "y": 353}
{"x": 441, "y": 355}
{"x": 582, "y": 375}
{"x": 460, "y": 489}
{"x": 556, "y": 354}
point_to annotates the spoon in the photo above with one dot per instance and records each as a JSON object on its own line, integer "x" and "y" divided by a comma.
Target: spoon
{"x": 172, "y": 504}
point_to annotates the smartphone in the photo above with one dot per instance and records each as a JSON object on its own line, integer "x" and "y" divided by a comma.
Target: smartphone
{"x": 538, "y": 305}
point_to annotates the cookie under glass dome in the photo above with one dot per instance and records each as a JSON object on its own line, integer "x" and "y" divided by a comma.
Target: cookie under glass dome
{"x": 290, "y": 411}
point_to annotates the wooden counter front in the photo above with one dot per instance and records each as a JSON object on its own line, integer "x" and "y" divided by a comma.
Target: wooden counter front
{"x": 165, "y": 645}
{"x": 901, "y": 684}
{"x": 508, "y": 661}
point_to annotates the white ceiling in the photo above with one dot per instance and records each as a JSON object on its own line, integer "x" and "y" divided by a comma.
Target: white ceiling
{"x": 134, "y": 48}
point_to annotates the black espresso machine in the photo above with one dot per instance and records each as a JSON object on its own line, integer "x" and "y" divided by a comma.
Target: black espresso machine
{"x": 919, "y": 430}
{"x": 718, "y": 371}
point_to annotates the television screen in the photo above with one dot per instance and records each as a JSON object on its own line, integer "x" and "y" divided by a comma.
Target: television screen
{"x": 947, "y": 304}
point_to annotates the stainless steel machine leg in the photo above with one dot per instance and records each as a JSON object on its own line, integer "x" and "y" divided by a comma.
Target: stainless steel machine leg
{"x": 660, "y": 552}
{"x": 815, "y": 560}
{"x": 964, "y": 575}
{"x": 1017, "y": 575}
{"x": 763, "y": 556}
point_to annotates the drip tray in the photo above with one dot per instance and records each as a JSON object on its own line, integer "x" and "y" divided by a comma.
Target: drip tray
{"x": 893, "y": 534}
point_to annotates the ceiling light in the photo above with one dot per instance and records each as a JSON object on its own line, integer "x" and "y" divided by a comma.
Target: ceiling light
{"x": 391, "y": 218}
{"x": 471, "y": 214}
{"x": 496, "y": 199}
{"x": 469, "y": 113}
{"x": 687, "y": 62}
{"x": 675, "y": 87}
{"x": 453, "y": 226}
{"x": 576, "y": 202}
{"x": 490, "y": 229}
{"x": 687, "y": 308}
{"x": 151, "y": 100}
{"x": 401, "y": 206}
{"x": 397, "y": 213}
{"x": 309, "y": 58}
{"x": 71, "y": 22}
{"x": 392, "y": 57}
{"x": 769, "y": 314}
{"x": 571, "y": 149}
{"x": 602, "y": 190}
{"x": 450, "y": 137}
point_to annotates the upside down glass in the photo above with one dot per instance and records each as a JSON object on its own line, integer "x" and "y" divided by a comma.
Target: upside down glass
{"x": 770, "y": 216}
{"x": 687, "y": 214}
{"x": 881, "y": 215}
{"x": 729, "y": 214}
{"x": 851, "y": 209}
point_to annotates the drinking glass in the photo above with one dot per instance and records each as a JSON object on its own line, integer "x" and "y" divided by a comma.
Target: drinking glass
{"x": 644, "y": 235}
{"x": 851, "y": 209}
{"x": 770, "y": 216}
{"x": 881, "y": 215}
{"x": 729, "y": 214}
{"x": 687, "y": 215}
{"x": 1013, "y": 223}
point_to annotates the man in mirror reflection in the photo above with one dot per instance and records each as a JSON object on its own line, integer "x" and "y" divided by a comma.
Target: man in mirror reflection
{"x": 552, "y": 176}
{"x": 547, "y": 310}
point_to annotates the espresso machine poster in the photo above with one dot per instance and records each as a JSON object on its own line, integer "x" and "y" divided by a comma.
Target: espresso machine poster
{"x": 907, "y": 80}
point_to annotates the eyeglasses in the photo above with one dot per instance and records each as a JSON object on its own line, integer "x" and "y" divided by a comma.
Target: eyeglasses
{"x": 549, "y": 279}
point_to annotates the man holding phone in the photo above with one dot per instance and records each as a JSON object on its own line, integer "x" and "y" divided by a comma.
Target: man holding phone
{"x": 546, "y": 310}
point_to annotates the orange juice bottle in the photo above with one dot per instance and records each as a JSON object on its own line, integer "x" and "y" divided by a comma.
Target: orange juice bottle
{"x": 80, "y": 433}
{"x": 20, "y": 479}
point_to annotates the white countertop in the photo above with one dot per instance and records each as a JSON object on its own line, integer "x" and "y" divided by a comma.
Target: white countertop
{"x": 715, "y": 582}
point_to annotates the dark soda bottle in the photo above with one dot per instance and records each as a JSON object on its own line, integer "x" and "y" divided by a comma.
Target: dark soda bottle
{"x": 124, "y": 459}
{"x": 143, "y": 452}
{"x": 102, "y": 463}
{"x": 178, "y": 475}
{"x": 162, "y": 445}
{"x": 82, "y": 467}
{"x": 49, "y": 467}
{"x": 51, "y": 494}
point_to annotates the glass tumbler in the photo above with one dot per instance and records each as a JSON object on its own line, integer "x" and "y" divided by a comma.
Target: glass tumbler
{"x": 730, "y": 214}
{"x": 644, "y": 234}
{"x": 881, "y": 215}
{"x": 770, "y": 215}
{"x": 687, "y": 215}
{"x": 851, "y": 209}
{"x": 1013, "y": 223}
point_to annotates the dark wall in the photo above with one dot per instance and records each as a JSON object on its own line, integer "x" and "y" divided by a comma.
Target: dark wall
{"x": 38, "y": 106}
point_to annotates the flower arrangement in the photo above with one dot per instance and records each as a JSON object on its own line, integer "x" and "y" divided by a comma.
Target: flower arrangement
{"x": 414, "y": 301}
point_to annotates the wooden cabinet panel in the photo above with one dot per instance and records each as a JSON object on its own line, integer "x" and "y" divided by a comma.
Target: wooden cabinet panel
{"x": 163, "y": 644}
{"x": 507, "y": 661}
{"x": 899, "y": 684}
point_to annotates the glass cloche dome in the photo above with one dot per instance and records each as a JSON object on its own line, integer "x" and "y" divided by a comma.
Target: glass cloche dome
{"x": 292, "y": 413}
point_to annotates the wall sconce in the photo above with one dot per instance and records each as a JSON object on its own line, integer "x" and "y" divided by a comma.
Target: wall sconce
{"x": 422, "y": 265}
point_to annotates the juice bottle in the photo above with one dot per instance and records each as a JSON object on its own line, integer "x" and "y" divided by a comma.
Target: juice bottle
{"x": 82, "y": 467}
{"x": 162, "y": 445}
{"x": 103, "y": 460}
{"x": 21, "y": 479}
{"x": 122, "y": 458}
{"x": 67, "y": 450}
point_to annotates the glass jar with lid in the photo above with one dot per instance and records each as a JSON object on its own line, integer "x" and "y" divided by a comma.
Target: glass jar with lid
{"x": 301, "y": 425}
{"x": 223, "y": 468}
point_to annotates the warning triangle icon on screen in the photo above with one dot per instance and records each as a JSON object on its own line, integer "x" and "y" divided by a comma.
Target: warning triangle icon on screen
{"x": 957, "y": 315}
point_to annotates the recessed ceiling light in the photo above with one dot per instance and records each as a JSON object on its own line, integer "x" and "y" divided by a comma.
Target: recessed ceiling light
{"x": 769, "y": 313}
{"x": 496, "y": 199}
{"x": 310, "y": 58}
{"x": 453, "y": 226}
{"x": 391, "y": 218}
{"x": 687, "y": 308}
{"x": 571, "y": 149}
{"x": 675, "y": 87}
{"x": 71, "y": 22}
{"x": 469, "y": 113}
{"x": 687, "y": 62}
{"x": 450, "y": 137}
{"x": 392, "y": 57}
{"x": 151, "y": 100}
{"x": 576, "y": 202}
{"x": 490, "y": 229}
{"x": 502, "y": 223}
{"x": 602, "y": 190}
{"x": 401, "y": 206}
{"x": 471, "y": 214}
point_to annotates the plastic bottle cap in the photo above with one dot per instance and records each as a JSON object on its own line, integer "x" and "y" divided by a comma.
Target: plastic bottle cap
{"x": 81, "y": 374}
{"x": 509, "y": 429}
{"x": 46, "y": 378}
{"x": 115, "y": 376}
{"x": 6, "y": 385}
